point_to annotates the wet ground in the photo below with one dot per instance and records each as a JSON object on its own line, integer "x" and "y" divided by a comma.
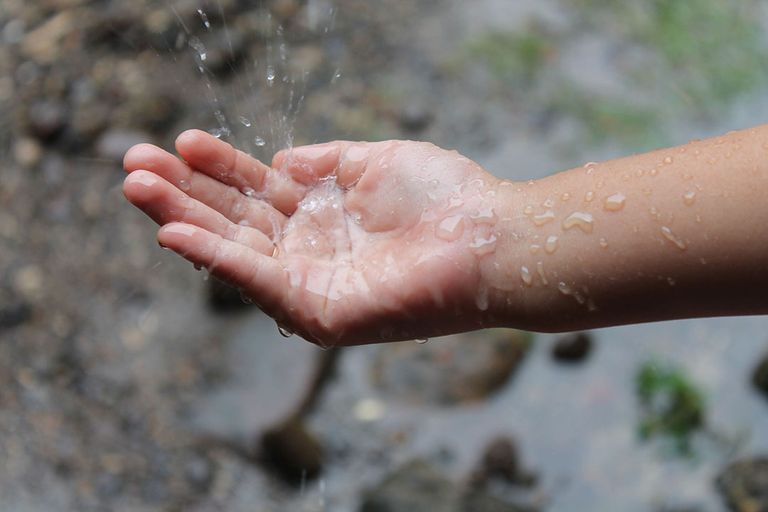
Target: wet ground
{"x": 120, "y": 387}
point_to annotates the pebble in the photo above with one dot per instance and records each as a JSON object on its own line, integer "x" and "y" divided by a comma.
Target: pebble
{"x": 450, "y": 370}
{"x": 114, "y": 143}
{"x": 292, "y": 452}
{"x": 415, "y": 117}
{"x": 760, "y": 377}
{"x": 27, "y": 152}
{"x": 572, "y": 348}
{"x": 46, "y": 119}
{"x": 744, "y": 484}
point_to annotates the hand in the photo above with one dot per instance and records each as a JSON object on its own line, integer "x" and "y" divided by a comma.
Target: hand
{"x": 342, "y": 243}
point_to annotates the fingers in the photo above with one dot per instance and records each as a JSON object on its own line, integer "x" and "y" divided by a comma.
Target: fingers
{"x": 228, "y": 165}
{"x": 164, "y": 203}
{"x": 260, "y": 275}
{"x": 308, "y": 164}
{"x": 223, "y": 198}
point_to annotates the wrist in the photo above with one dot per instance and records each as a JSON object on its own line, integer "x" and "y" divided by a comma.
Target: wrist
{"x": 528, "y": 278}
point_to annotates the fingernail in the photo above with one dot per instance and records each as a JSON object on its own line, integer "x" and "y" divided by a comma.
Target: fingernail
{"x": 145, "y": 178}
{"x": 313, "y": 152}
{"x": 180, "y": 229}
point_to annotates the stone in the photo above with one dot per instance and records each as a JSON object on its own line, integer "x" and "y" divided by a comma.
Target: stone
{"x": 501, "y": 461}
{"x": 450, "y": 370}
{"x": 760, "y": 377}
{"x": 114, "y": 143}
{"x": 572, "y": 348}
{"x": 224, "y": 298}
{"x": 14, "y": 313}
{"x": 292, "y": 452}
{"x": 27, "y": 152}
{"x": 46, "y": 119}
{"x": 415, "y": 117}
{"x": 743, "y": 484}
{"x": 418, "y": 486}
{"x": 198, "y": 472}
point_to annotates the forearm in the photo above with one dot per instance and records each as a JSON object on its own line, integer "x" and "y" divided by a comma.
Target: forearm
{"x": 674, "y": 233}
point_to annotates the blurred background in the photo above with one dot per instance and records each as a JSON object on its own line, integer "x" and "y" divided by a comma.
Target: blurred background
{"x": 128, "y": 381}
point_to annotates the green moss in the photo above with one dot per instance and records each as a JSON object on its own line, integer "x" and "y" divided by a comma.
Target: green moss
{"x": 512, "y": 56}
{"x": 710, "y": 52}
{"x": 672, "y": 407}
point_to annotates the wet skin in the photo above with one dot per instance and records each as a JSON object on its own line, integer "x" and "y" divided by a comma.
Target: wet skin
{"x": 339, "y": 242}
{"x": 348, "y": 243}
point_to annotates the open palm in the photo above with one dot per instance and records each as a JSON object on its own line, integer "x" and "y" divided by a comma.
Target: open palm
{"x": 341, "y": 242}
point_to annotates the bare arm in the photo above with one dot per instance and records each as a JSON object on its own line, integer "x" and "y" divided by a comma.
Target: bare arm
{"x": 675, "y": 233}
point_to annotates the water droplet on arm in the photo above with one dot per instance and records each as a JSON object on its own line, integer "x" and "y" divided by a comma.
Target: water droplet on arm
{"x": 669, "y": 235}
{"x": 581, "y": 220}
{"x": 615, "y": 202}
{"x": 543, "y": 218}
{"x": 284, "y": 331}
{"x": 550, "y": 246}
{"x": 526, "y": 276}
{"x": 689, "y": 197}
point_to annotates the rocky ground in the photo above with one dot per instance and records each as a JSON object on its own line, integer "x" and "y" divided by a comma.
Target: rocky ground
{"x": 126, "y": 383}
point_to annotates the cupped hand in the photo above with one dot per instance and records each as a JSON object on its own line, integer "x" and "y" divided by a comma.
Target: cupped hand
{"x": 342, "y": 243}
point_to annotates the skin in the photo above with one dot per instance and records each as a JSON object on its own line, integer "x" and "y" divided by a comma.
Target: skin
{"x": 352, "y": 242}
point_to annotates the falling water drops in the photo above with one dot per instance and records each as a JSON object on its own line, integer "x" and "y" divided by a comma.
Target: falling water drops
{"x": 204, "y": 19}
{"x": 284, "y": 331}
{"x": 259, "y": 141}
{"x": 245, "y": 121}
{"x": 270, "y": 75}
{"x": 199, "y": 48}
{"x": 422, "y": 341}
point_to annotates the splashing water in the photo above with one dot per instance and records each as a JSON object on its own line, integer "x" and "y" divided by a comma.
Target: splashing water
{"x": 258, "y": 87}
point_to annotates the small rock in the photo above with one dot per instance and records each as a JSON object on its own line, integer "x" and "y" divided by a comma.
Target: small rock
{"x": 450, "y": 370}
{"x": 572, "y": 348}
{"x": 199, "y": 473}
{"x": 415, "y": 117}
{"x": 29, "y": 280}
{"x": 292, "y": 452}
{"x": 27, "y": 152}
{"x": 224, "y": 298}
{"x": 46, "y": 119}
{"x": 417, "y": 486}
{"x": 284, "y": 10}
{"x": 501, "y": 461}
{"x": 88, "y": 121}
{"x": 744, "y": 485}
{"x": 114, "y": 143}
{"x": 14, "y": 313}
{"x": 760, "y": 377}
